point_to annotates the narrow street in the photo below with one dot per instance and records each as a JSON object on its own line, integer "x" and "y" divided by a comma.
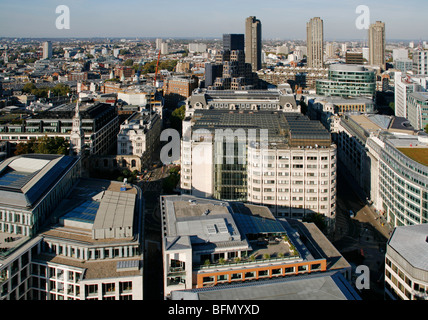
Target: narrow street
{"x": 361, "y": 239}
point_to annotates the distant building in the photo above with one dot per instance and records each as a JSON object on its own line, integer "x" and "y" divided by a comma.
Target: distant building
{"x": 178, "y": 88}
{"x": 47, "y": 50}
{"x": 253, "y": 43}
{"x": 354, "y": 58}
{"x": 420, "y": 62}
{"x": 140, "y": 136}
{"x": 377, "y": 44}
{"x": 233, "y": 42}
{"x": 315, "y": 43}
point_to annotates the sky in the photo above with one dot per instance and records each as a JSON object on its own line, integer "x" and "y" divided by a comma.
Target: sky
{"x": 281, "y": 19}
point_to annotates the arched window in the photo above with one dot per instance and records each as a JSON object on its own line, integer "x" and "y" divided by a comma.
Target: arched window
{"x": 133, "y": 163}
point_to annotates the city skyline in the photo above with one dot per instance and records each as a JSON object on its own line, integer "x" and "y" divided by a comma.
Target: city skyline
{"x": 191, "y": 19}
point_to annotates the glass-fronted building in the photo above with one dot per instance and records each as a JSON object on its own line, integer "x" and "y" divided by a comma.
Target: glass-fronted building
{"x": 347, "y": 81}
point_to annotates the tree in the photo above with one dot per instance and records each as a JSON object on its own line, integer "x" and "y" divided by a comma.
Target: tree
{"x": 44, "y": 145}
{"x": 426, "y": 128}
{"x": 317, "y": 219}
{"x": 177, "y": 117}
{"x": 129, "y": 63}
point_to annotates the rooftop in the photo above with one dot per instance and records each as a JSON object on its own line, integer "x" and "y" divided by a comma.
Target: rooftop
{"x": 410, "y": 242}
{"x": 25, "y": 179}
{"x": 321, "y": 286}
{"x": 292, "y": 128}
{"x": 93, "y": 206}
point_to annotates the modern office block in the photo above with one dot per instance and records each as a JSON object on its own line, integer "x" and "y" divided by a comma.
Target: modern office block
{"x": 213, "y": 243}
{"x": 234, "y": 42}
{"x": 347, "y": 81}
{"x": 30, "y": 188}
{"x": 294, "y": 175}
{"x": 417, "y": 109}
{"x": 420, "y": 62}
{"x": 92, "y": 249}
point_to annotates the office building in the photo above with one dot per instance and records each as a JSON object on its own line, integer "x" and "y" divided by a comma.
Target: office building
{"x": 347, "y": 81}
{"x": 236, "y": 74}
{"x": 398, "y": 174}
{"x": 417, "y": 109}
{"x": 316, "y": 286}
{"x": 212, "y": 243}
{"x": 233, "y": 42}
{"x": 92, "y": 249}
{"x": 354, "y": 58}
{"x": 294, "y": 175}
{"x": 400, "y": 54}
{"x": 315, "y": 43}
{"x": 298, "y": 78}
{"x": 377, "y": 44}
{"x": 404, "y": 65}
{"x": 47, "y": 50}
{"x": 406, "y": 270}
{"x": 253, "y": 43}
{"x": 178, "y": 88}
{"x": 139, "y": 136}
{"x": 99, "y": 122}
{"x": 31, "y": 186}
{"x": 404, "y": 84}
{"x": 420, "y": 62}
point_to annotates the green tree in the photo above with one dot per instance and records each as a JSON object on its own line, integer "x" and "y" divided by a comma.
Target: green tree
{"x": 426, "y": 128}
{"x": 170, "y": 182}
{"x": 129, "y": 63}
{"x": 177, "y": 117}
{"x": 44, "y": 145}
{"x": 318, "y": 219}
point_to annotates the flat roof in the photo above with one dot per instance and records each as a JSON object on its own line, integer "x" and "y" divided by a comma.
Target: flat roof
{"x": 25, "y": 179}
{"x": 94, "y": 204}
{"x": 419, "y": 155}
{"x": 317, "y": 286}
{"x": 410, "y": 242}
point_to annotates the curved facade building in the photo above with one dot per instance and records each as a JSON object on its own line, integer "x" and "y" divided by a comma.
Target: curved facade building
{"x": 347, "y": 81}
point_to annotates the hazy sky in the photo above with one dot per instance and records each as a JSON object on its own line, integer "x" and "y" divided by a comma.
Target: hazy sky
{"x": 281, "y": 19}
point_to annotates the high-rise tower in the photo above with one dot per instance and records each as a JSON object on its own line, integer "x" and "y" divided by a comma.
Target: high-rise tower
{"x": 377, "y": 44}
{"x": 315, "y": 43}
{"x": 253, "y": 43}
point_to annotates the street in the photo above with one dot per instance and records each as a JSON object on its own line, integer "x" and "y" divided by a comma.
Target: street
{"x": 361, "y": 239}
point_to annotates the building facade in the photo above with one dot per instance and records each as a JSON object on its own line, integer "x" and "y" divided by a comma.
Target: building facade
{"x": 253, "y": 43}
{"x": 92, "y": 251}
{"x": 377, "y": 44}
{"x": 99, "y": 122}
{"x": 206, "y": 243}
{"x": 406, "y": 274}
{"x": 347, "y": 81}
{"x": 315, "y": 43}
